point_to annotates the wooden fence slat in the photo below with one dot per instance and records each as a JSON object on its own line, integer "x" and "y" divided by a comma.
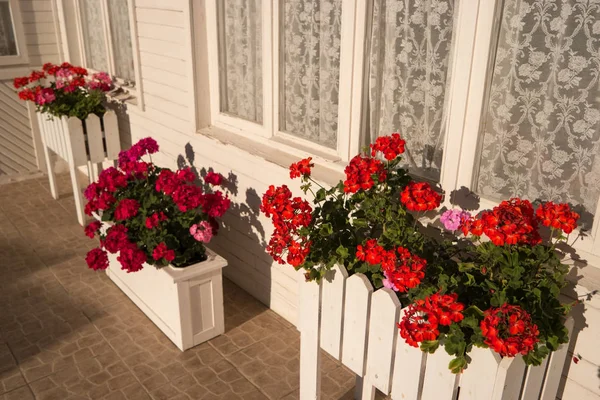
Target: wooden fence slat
{"x": 356, "y": 319}
{"x": 332, "y": 307}
{"x": 76, "y": 151}
{"x": 439, "y": 383}
{"x": 509, "y": 379}
{"x": 477, "y": 381}
{"x": 385, "y": 309}
{"x": 310, "y": 374}
{"x": 94, "y": 138}
{"x": 111, "y": 135}
{"x": 408, "y": 368}
{"x": 555, "y": 367}
{"x": 61, "y": 137}
{"x": 534, "y": 377}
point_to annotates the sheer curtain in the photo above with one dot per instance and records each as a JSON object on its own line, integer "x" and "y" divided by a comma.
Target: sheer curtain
{"x": 93, "y": 32}
{"x": 411, "y": 42}
{"x": 541, "y": 137}
{"x": 310, "y": 69}
{"x": 8, "y": 44}
{"x": 120, "y": 30}
{"x": 240, "y": 63}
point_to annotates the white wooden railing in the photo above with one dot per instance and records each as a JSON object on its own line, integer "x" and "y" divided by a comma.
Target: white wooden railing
{"x": 79, "y": 143}
{"x": 357, "y": 326}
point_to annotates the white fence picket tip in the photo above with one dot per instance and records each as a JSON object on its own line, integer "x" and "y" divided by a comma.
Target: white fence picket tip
{"x": 356, "y": 322}
{"x": 408, "y": 369}
{"x": 310, "y": 361}
{"x": 385, "y": 310}
{"x": 76, "y": 142}
{"x": 555, "y": 367}
{"x": 332, "y": 308}
{"x": 534, "y": 378}
{"x": 111, "y": 135}
{"x": 439, "y": 383}
{"x": 94, "y": 138}
{"x": 509, "y": 378}
{"x": 477, "y": 381}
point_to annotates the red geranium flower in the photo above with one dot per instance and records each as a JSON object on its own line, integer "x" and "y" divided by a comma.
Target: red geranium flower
{"x": 509, "y": 331}
{"x": 92, "y": 229}
{"x": 127, "y": 208}
{"x": 360, "y": 172}
{"x": 153, "y": 220}
{"x": 97, "y": 259}
{"x": 391, "y": 146}
{"x": 418, "y": 196}
{"x": 131, "y": 257}
{"x": 301, "y": 168}
{"x": 213, "y": 178}
{"x": 557, "y": 216}
{"x": 162, "y": 251}
{"x": 405, "y": 272}
{"x": 116, "y": 238}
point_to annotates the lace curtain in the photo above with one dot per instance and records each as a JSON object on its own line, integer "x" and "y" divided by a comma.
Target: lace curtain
{"x": 240, "y": 42}
{"x": 310, "y": 69}
{"x": 118, "y": 14}
{"x": 541, "y": 138}
{"x": 8, "y": 44}
{"x": 93, "y": 32}
{"x": 411, "y": 41}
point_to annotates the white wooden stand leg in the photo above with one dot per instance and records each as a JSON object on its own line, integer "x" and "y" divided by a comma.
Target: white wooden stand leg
{"x": 51, "y": 177}
{"x": 358, "y": 388}
{"x": 368, "y": 391}
{"x": 77, "y": 194}
{"x": 310, "y": 354}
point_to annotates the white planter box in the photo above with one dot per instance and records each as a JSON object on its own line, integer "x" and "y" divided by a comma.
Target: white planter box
{"x": 185, "y": 303}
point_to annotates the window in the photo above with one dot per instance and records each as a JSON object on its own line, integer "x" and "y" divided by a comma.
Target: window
{"x": 12, "y": 44}
{"x": 106, "y": 34}
{"x": 499, "y": 97}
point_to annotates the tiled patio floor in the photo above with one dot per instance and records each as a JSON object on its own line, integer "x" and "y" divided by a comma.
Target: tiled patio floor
{"x": 67, "y": 332}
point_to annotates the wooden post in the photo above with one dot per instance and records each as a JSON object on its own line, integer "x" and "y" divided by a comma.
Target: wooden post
{"x": 310, "y": 354}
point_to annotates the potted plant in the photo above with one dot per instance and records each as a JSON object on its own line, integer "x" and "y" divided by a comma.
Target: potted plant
{"x": 153, "y": 224}
{"x": 457, "y": 293}
{"x": 70, "y": 105}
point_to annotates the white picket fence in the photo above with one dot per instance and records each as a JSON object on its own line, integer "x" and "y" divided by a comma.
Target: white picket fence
{"x": 79, "y": 143}
{"x": 357, "y": 325}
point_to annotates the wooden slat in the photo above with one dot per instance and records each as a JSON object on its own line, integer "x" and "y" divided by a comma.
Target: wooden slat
{"x": 165, "y": 49}
{"x": 357, "y": 306}
{"x": 37, "y": 17}
{"x": 509, "y": 379}
{"x": 167, "y": 33}
{"x": 477, "y": 381}
{"x": 175, "y": 5}
{"x": 332, "y": 307}
{"x": 163, "y": 63}
{"x": 555, "y": 367}
{"x": 310, "y": 320}
{"x": 19, "y": 152}
{"x": 159, "y": 76}
{"x": 94, "y": 138}
{"x": 408, "y": 369}
{"x": 30, "y": 5}
{"x": 439, "y": 383}
{"x": 385, "y": 310}
{"x": 39, "y": 28}
{"x": 534, "y": 377}
{"x": 111, "y": 135}
{"x": 76, "y": 142}
{"x": 160, "y": 17}
{"x": 166, "y": 92}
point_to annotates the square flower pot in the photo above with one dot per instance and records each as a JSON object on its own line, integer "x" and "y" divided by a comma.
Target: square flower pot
{"x": 185, "y": 303}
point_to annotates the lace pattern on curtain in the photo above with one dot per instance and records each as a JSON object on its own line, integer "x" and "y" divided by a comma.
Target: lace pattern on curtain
{"x": 8, "y": 44}
{"x": 541, "y": 138}
{"x": 118, "y": 11}
{"x": 411, "y": 43}
{"x": 310, "y": 69}
{"x": 95, "y": 46}
{"x": 240, "y": 40}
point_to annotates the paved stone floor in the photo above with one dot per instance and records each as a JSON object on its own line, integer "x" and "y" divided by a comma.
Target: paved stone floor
{"x": 66, "y": 332}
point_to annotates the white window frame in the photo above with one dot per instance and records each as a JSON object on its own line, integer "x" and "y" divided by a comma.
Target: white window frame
{"x": 133, "y": 88}
{"x": 17, "y": 22}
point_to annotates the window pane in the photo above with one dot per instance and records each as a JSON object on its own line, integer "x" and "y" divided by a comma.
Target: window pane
{"x": 240, "y": 58}
{"x": 310, "y": 69}
{"x": 93, "y": 32}
{"x": 541, "y": 133}
{"x": 120, "y": 32}
{"x": 8, "y": 44}
{"x": 410, "y": 48}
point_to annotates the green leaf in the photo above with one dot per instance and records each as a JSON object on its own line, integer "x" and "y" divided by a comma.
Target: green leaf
{"x": 457, "y": 365}
{"x": 462, "y": 267}
{"x": 430, "y": 346}
{"x": 326, "y": 229}
{"x": 470, "y": 322}
{"x": 552, "y": 342}
{"x": 342, "y": 251}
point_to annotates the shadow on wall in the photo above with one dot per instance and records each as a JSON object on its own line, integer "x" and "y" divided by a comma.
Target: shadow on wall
{"x": 124, "y": 123}
{"x": 241, "y": 238}
{"x": 467, "y": 200}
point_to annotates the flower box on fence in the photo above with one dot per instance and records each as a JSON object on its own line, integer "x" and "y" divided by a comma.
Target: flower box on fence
{"x": 80, "y": 143}
{"x": 358, "y": 326}
{"x": 185, "y": 303}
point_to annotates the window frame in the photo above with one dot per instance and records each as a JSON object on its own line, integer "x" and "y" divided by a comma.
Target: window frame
{"x": 134, "y": 89}
{"x": 22, "y": 56}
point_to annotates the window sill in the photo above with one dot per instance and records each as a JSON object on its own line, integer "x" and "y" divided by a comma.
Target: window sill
{"x": 280, "y": 152}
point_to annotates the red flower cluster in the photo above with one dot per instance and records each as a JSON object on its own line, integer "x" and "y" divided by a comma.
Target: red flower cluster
{"x": 391, "y": 146}
{"x": 511, "y": 222}
{"x": 360, "y": 172}
{"x": 127, "y": 208}
{"x": 422, "y": 318}
{"x": 509, "y": 331}
{"x": 374, "y": 254}
{"x": 97, "y": 259}
{"x": 407, "y": 272}
{"x": 129, "y": 160}
{"x": 215, "y": 205}
{"x": 419, "y": 196}
{"x": 288, "y": 216}
{"x": 100, "y": 194}
{"x": 116, "y": 238}
{"x": 557, "y": 216}
{"x": 213, "y": 178}
{"x": 153, "y": 220}
{"x": 92, "y": 228}
{"x": 162, "y": 251}
{"x": 131, "y": 257}
{"x": 301, "y": 168}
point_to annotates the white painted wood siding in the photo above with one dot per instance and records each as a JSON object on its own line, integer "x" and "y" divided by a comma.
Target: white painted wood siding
{"x": 40, "y": 30}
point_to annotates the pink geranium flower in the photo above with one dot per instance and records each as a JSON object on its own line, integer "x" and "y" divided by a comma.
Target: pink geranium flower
{"x": 202, "y": 232}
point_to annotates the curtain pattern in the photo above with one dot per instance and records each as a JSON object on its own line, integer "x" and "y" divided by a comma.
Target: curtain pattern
{"x": 411, "y": 41}
{"x": 118, "y": 11}
{"x": 241, "y": 59}
{"x": 310, "y": 69}
{"x": 8, "y": 44}
{"x": 95, "y": 46}
{"x": 541, "y": 138}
